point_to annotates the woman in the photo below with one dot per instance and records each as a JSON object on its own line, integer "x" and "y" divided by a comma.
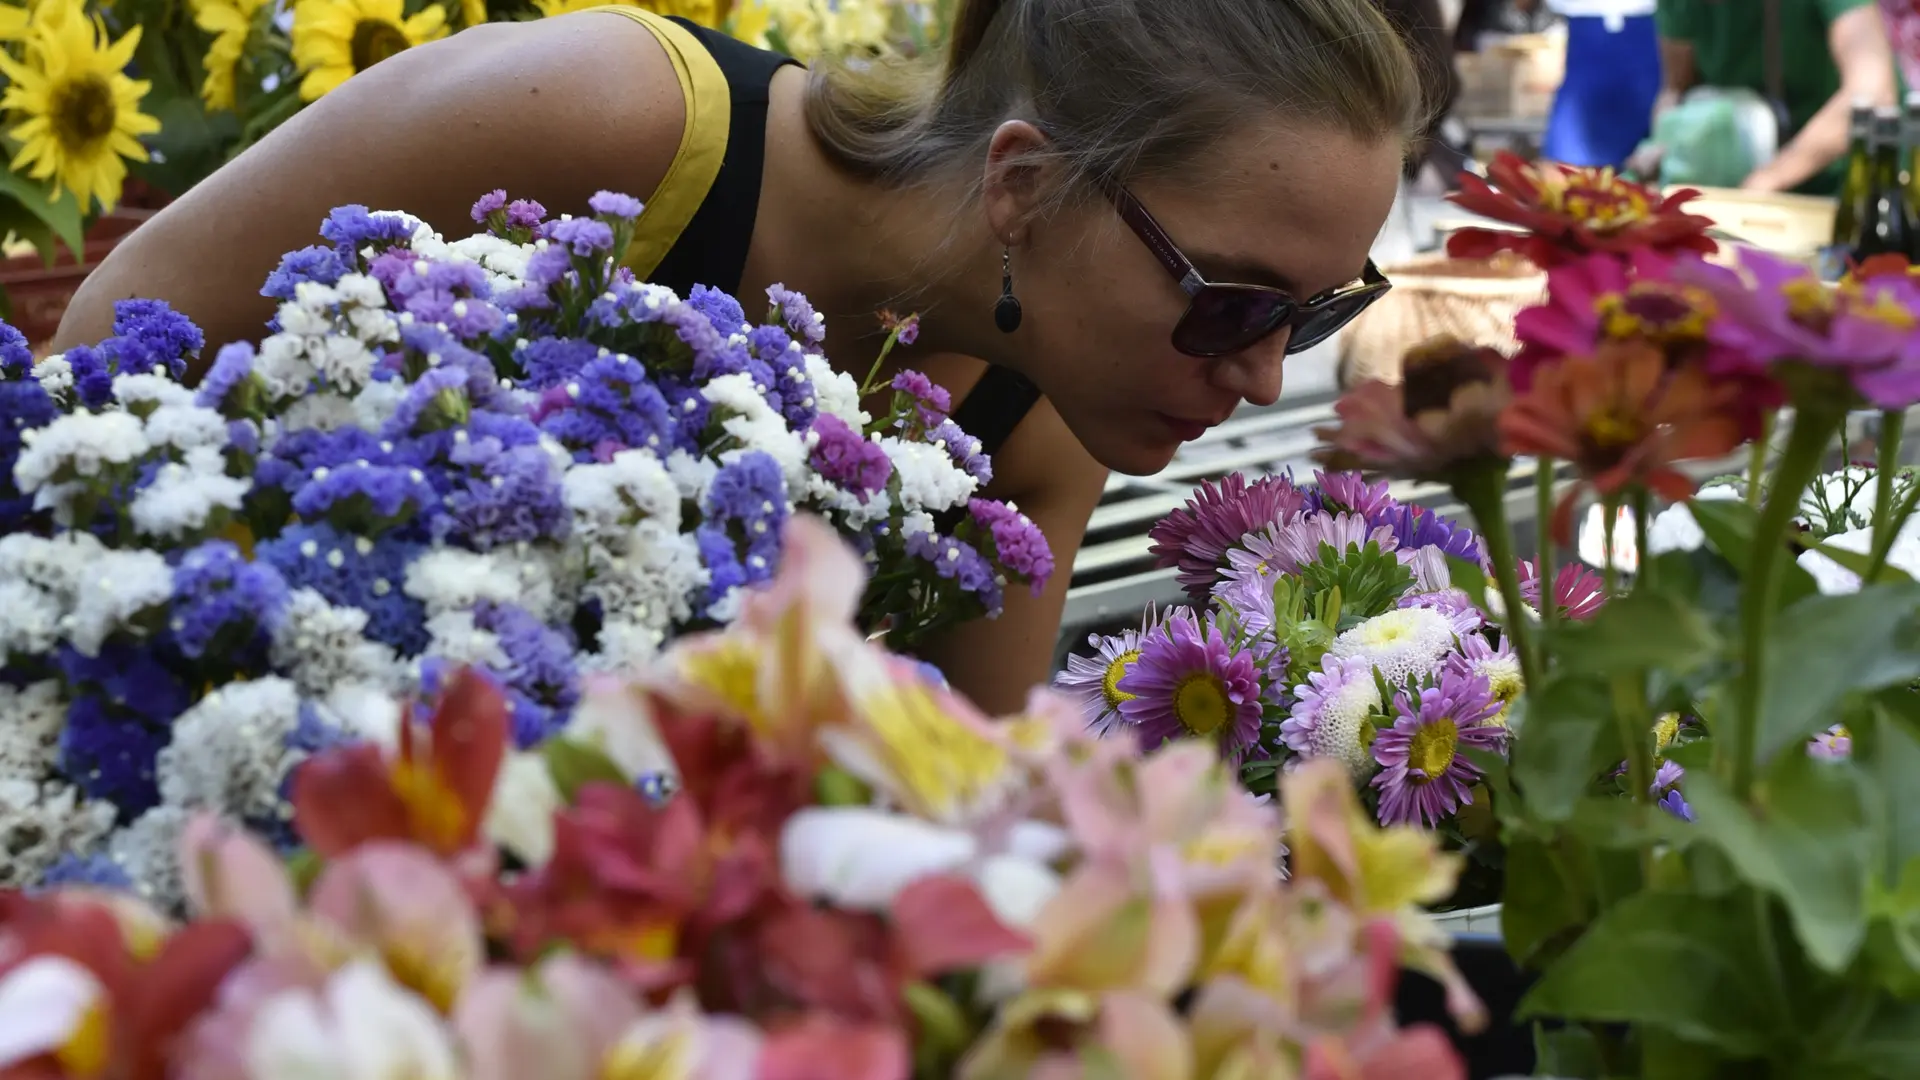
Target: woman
{"x": 1603, "y": 110}
{"x": 996, "y": 195}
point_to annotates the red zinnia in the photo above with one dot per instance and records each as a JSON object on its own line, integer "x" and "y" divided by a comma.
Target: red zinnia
{"x": 1569, "y": 212}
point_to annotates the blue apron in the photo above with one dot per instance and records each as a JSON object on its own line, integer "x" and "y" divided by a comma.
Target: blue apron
{"x": 1604, "y": 107}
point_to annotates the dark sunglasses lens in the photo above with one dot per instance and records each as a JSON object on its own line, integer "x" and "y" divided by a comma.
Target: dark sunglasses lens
{"x": 1223, "y": 319}
{"x": 1319, "y": 323}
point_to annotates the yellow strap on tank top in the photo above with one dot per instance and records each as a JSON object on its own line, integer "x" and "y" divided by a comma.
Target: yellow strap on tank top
{"x": 703, "y": 141}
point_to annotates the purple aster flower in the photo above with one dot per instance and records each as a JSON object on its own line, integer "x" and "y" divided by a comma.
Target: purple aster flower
{"x": 1424, "y": 777}
{"x": 1455, "y": 604}
{"x": 317, "y": 263}
{"x": 1833, "y": 744}
{"x": 455, "y": 295}
{"x": 1095, "y": 680}
{"x": 1666, "y": 790}
{"x": 353, "y": 228}
{"x": 493, "y": 202}
{"x": 1188, "y": 683}
{"x": 584, "y": 237}
{"x": 1018, "y": 543}
{"x": 1419, "y": 527}
{"x": 16, "y": 356}
{"x": 843, "y": 457}
{"x": 1579, "y": 591}
{"x": 959, "y": 562}
{"x": 352, "y": 571}
{"x": 1334, "y": 713}
{"x": 721, "y": 310}
{"x": 1299, "y": 541}
{"x": 1494, "y": 662}
{"x": 1196, "y": 537}
{"x": 96, "y": 872}
{"x": 224, "y": 607}
{"x": 964, "y": 449}
{"x": 614, "y": 204}
{"x": 1349, "y": 492}
{"x": 802, "y": 321}
{"x": 1249, "y": 600}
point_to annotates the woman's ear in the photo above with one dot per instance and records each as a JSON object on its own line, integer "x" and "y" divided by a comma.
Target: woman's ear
{"x": 1017, "y": 180}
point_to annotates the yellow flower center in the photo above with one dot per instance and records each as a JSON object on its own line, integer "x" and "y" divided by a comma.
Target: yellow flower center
{"x": 1655, "y": 310}
{"x": 1200, "y": 703}
{"x": 1431, "y": 750}
{"x": 1594, "y": 196}
{"x": 427, "y": 975}
{"x": 82, "y": 112}
{"x": 1809, "y": 302}
{"x": 1884, "y": 309}
{"x": 1110, "y": 681}
{"x": 1504, "y": 680}
{"x": 729, "y": 670}
{"x": 1664, "y": 730}
{"x": 375, "y": 40}
{"x": 86, "y": 1052}
{"x": 434, "y": 810}
{"x": 1611, "y": 429}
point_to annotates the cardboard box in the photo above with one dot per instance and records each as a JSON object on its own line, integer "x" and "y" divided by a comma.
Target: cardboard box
{"x": 1515, "y": 77}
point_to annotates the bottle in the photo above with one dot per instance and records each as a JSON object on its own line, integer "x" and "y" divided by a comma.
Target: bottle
{"x": 1886, "y": 220}
{"x": 1910, "y": 155}
{"x": 1859, "y": 179}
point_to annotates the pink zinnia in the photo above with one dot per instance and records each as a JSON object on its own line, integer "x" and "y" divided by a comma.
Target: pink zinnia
{"x": 1423, "y": 776}
{"x": 1576, "y": 589}
{"x": 1196, "y": 537}
{"x": 1189, "y": 683}
{"x": 1604, "y": 297}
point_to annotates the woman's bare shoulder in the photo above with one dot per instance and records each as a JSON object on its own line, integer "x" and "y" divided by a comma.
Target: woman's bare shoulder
{"x": 552, "y": 110}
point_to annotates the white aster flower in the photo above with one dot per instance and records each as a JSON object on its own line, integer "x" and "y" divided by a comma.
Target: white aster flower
{"x": 1400, "y": 643}
{"x": 626, "y": 647}
{"x": 1833, "y": 579}
{"x": 1331, "y": 713}
{"x": 691, "y": 474}
{"x": 376, "y": 403}
{"x": 229, "y": 751}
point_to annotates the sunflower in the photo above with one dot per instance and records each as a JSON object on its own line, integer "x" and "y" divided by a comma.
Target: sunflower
{"x": 703, "y": 12}
{"x": 334, "y": 40}
{"x": 230, "y": 22}
{"x": 81, "y": 113}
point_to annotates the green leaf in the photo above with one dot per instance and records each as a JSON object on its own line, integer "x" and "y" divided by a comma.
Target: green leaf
{"x": 1637, "y": 631}
{"x": 1729, "y": 526}
{"x": 1468, "y": 578}
{"x": 1672, "y": 961}
{"x": 1569, "y": 1051}
{"x": 1607, "y": 822}
{"x": 573, "y": 765}
{"x": 1859, "y": 561}
{"x": 1894, "y": 766}
{"x": 1810, "y": 844}
{"x": 41, "y": 215}
{"x": 1825, "y": 647}
{"x": 1560, "y": 749}
{"x": 1890, "y": 1045}
{"x": 1369, "y": 580}
{"x": 1540, "y": 910}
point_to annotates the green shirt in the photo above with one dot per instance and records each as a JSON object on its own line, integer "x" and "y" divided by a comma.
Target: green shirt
{"x": 1729, "y": 38}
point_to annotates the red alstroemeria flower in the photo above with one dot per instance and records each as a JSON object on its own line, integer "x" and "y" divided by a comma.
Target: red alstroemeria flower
{"x": 1571, "y": 212}
{"x": 143, "y": 993}
{"x": 1881, "y": 266}
{"x": 434, "y": 792}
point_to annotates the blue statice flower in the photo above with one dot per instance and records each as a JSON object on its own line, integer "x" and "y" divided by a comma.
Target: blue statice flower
{"x": 297, "y": 455}
{"x": 353, "y": 228}
{"x": 722, "y": 310}
{"x": 96, "y": 871}
{"x": 441, "y": 351}
{"x": 611, "y": 400}
{"x": 959, "y": 562}
{"x": 748, "y": 496}
{"x": 454, "y": 295}
{"x": 436, "y": 401}
{"x": 16, "y": 356}
{"x": 615, "y": 205}
{"x": 511, "y": 495}
{"x": 798, "y": 314}
{"x": 318, "y": 264}
{"x": 232, "y": 366}
{"x": 361, "y": 496}
{"x": 552, "y": 361}
{"x": 355, "y": 572}
{"x": 150, "y": 334}
{"x": 964, "y": 449}
{"x": 92, "y": 376}
{"x": 225, "y": 605}
{"x": 1418, "y": 527}
{"x": 541, "y": 680}
{"x": 112, "y": 755}
{"x": 24, "y": 405}
{"x": 584, "y": 237}
{"x": 721, "y": 556}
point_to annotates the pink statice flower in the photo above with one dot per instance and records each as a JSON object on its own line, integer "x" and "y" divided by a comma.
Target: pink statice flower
{"x": 1424, "y": 777}
{"x": 1189, "y": 683}
{"x": 1196, "y": 537}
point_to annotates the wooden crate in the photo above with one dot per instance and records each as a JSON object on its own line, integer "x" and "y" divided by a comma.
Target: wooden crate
{"x": 1794, "y": 226}
{"x": 1516, "y": 77}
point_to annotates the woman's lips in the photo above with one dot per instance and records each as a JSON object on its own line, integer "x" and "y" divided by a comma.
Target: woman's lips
{"x": 1184, "y": 430}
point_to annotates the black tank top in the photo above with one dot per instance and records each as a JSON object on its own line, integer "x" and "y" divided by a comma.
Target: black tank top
{"x": 712, "y": 250}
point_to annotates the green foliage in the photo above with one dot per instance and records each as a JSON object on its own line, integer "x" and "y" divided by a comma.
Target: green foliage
{"x": 1369, "y": 581}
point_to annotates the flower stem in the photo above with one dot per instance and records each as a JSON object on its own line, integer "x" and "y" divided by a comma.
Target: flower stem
{"x": 1813, "y": 426}
{"x": 1482, "y": 490}
{"x": 1543, "y": 565}
{"x": 1886, "y": 460}
{"x": 1642, "y": 511}
{"x": 1633, "y": 719}
{"x": 1609, "y": 520}
{"x": 1757, "y": 459}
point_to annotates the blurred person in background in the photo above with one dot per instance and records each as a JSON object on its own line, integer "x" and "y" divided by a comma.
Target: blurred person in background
{"x": 1830, "y": 54}
{"x": 1903, "y": 31}
{"x": 1483, "y": 18}
{"x": 1430, "y": 40}
{"x": 1604, "y": 107}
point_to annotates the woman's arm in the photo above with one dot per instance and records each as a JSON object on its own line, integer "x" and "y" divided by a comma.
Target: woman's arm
{"x": 1858, "y": 41}
{"x": 552, "y": 110}
{"x": 1048, "y": 475}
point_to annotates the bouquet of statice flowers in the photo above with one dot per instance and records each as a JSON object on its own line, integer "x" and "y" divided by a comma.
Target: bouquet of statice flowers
{"x": 500, "y": 451}
{"x": 1324, "y": 624}
{"x": 859, "y": 878}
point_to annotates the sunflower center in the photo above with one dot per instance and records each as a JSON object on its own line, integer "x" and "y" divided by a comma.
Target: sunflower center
{"x": 1431, "y": 749}
{"x": 374, "y": 40}
{"x": 83, "y": 112}
{"x": 1200, "y": 703}
{"x": 1110, "y": 681}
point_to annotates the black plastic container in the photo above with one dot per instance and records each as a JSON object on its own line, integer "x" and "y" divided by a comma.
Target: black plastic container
{"x": 1505, "y": 1048}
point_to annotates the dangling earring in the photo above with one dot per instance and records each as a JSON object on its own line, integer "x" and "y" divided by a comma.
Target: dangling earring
{"x": 1006, "y": 310}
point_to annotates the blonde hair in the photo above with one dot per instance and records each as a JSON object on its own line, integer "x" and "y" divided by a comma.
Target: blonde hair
{"x": 1121, "y": 87}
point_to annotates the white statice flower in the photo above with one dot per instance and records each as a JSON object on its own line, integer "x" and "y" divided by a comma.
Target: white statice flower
{"x": 229, "y": 752}
{"x": 322, "y": 647}
{"x": 365, "y": 711}
{"x": 149, "y": 851}
{"x": 691, "y": 475}
{"x": 650, "y": 578}
{"x": 183, "y": 495}
{"x": 455, "y": 579}
{"x": 41, "y": 820}
{"x": 55, "y": 565}
{"x": 452, "y": 636}
{"x": 754, "y": 425}
{"x": 1833, "y": 579}
{"x": 282, "y": 366}
{"x": 55, "y": 376}
{"x": 77, "y": 446}
{"x": 1674, "y": 528}
{"x": 608, "y": 499}
{"x": 376, "y": 403}
{"x": 836, "y": 392}
{"x": 916, "y": 523}
{"x": 929, "y": 480}
{"x": 1399, "y": 643}
{"x": 150, "y": 389}
{"x": 504, "y": 261}
{"x": 30, "y": 722}
{"x": 117, "y": 588}
{"x": 30, "y": 619}
{"x": 186, "y": 427}
{"x": 321, "y": 410}
{"x": 520, "y": 814}
{"x": 626, "y": 647}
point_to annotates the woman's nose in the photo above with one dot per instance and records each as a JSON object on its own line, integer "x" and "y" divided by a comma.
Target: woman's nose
{"x": 1255, "y": 373}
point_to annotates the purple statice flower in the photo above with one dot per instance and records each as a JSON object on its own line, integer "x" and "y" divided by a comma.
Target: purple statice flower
{"x": 1189, "y": 683}
{"x": 1349, "y": 492}
{"x": 964, "y": 449}
{"x": 750, "y": 493}
{"x": 454, "y": 295}
{"x": 721, "y": 556}
{"x": 1196, "y": 537}
{"x": 363, "y": 497}
{"x": 24, "y": 405}
{"x": 157, "y": 326}
{"x": 96, "y": 872}
{"x": 353, "y": 571}
{"x": 513, "y": 495}
{"x": 484, "y": 207}
{"x": 1834, "y": 743}
{"x": 1094, "y": 680}
{"x": 1018, "y": 543}
{"x": 553, "y": 361}
{"x": 436, "y": 400}
{"x": 525, "y": 214}
{"x": 1418, "y": 527}
{"x": 1666, "y": 790}
{"x": 546, "y": 268}
{"x": 610, "y": 399}
{"x": 353, "y": 228}
{"x": 584, "y": 237}
{"x": 224, "y": 605}
{"x": 841, "y": 456}
{"x": 542, "y": 682}
{"x": 297, "y": 454}
{"x": 16, "y": 356}
{"x": 317, "y": 263}
{"x": 232, "y": 365}
{"x": 721, "y": 309}
{"x": 1424, "y": 777}
{"x": 930, "y": 398}
{"x": 961, "y": 563}
{"x": 440, "y": 349}
{"x": 613, "y": 204}
{"x": 802, "y": 321}
{"x": 92, "y": 376}
{"x": 1334, "y": 713}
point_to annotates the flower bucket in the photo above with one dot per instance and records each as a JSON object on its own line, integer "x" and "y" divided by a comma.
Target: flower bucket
{"x": 39, "y": 293}
{"x": 1472, "y": 299}
{"x": 1476, "y": 920}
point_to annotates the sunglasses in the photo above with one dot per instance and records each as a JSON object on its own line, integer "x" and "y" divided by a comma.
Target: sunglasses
{"x": 1222, "y": 318}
